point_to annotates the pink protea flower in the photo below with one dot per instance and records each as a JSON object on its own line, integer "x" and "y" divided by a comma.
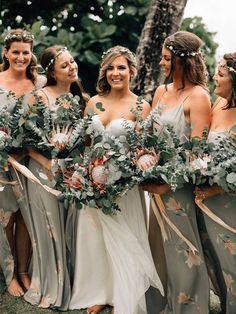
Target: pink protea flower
{"x": 5, "y": 130}
{"x": 98, "y": 172}
{"x": 4, "y": 133}
{"x": 73, "y": 178}
{"x": 146, "y": 158}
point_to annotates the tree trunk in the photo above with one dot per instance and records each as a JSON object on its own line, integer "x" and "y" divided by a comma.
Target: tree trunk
{"x": 163, "y": 19}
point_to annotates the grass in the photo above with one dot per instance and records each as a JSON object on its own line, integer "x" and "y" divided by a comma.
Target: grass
{"x": 13, "y": 305}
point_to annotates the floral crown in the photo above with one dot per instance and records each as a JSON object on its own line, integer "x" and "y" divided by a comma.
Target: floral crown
{"x": 51, "y": 61}
{"x": 230, "y": 69}
{"x": 119, "y": 49}
{"x": 19, "y": 36}
{"x": 181, "y": 53}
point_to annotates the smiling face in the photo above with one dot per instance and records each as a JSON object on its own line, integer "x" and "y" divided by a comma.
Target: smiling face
{"x": 65, "y": 68}
{"x": 166, "y": 61}
{"x": 19, "y": 55}
{"x": 223, "y": 80}
{"x": 118, "y": 73}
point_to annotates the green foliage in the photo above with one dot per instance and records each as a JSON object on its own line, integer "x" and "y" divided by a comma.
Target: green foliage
{"x": 87, "y": 29}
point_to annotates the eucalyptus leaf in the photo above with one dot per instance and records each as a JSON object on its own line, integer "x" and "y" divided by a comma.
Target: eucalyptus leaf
{"x": 231, "y": 177}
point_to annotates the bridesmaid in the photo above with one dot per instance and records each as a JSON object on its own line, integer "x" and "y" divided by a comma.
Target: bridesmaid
{"x": 184, "y": 104}
{"x": 20, "y": 77}
{"x": 219, "y": 242}
{"x": 50, "y": 284}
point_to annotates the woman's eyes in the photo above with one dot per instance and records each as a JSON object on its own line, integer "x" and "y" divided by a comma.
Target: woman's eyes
{"x": 67, "y": 64}
{"x": 167, "y": 59}
{"x": 16, "y": 52}
{"x": 118, "y": 68}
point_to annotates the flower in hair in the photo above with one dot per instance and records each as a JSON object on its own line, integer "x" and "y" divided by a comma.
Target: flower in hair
{"x": 19, "y": 36}
{"x": 181, "y": 53}
{"x": 49, "y": 64}
{"x": 51, "y": 61}
{"x": 230, "y": 69}
{"x": 117, "y": 49}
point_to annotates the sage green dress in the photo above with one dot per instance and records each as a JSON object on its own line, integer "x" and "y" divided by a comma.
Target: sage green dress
{"x": 13, "y": 197}
{"x": 219, "y": 243}
{"x": 50, "y": 284}
{"x": 186, "y": 274}
{"x": 8, "y": 203}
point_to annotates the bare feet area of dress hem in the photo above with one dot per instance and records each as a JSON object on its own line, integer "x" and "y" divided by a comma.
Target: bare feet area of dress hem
{"x": 13, "y": 305}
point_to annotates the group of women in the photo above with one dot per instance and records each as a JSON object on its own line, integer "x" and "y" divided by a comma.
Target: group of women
{"x": 78, "y": 259}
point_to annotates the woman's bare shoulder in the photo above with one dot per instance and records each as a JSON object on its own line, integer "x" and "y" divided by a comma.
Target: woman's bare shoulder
{"x": 94, "y": 100}
{"x": 160, "y": 90}
{"x": 199, "y": 91}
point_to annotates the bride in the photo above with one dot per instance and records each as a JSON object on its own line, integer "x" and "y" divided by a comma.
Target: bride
{"x": 113, "y": 262}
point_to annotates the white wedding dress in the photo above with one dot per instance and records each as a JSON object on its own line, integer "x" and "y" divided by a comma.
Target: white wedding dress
{"x": 113, "y": 262}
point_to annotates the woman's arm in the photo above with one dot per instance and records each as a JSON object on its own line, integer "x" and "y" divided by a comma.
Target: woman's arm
{"x": 200, "y": 112}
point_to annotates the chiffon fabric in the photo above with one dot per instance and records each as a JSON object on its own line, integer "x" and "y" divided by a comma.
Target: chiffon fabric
{"x": 12, "y": 197}
{"x": 219, "y": 243}
{"x": 8, "y": 202}
{"x": 113, "y": 262}
{"x": 185, "y": 272}
{"x": 50, "y": 284}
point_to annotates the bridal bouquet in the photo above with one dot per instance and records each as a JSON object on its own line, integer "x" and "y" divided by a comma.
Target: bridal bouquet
{"x": 55, "y": 131}
{"x": 99, "y": 176}
{"x": 10, "y": 136}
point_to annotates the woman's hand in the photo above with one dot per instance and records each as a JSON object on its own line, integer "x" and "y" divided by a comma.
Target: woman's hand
{"x": 156, "y": 188}
{"x": 208, "y": 191}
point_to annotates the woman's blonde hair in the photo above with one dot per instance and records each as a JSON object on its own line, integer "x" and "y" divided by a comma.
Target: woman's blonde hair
{"x": 103, "y": 86}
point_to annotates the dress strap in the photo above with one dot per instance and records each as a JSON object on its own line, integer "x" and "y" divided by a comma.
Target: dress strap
{"x": 50, "y": 98}
{"x": 159, "y": 100}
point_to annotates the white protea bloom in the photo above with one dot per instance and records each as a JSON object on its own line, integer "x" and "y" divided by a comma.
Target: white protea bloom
{"x": 60, "y": 136}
